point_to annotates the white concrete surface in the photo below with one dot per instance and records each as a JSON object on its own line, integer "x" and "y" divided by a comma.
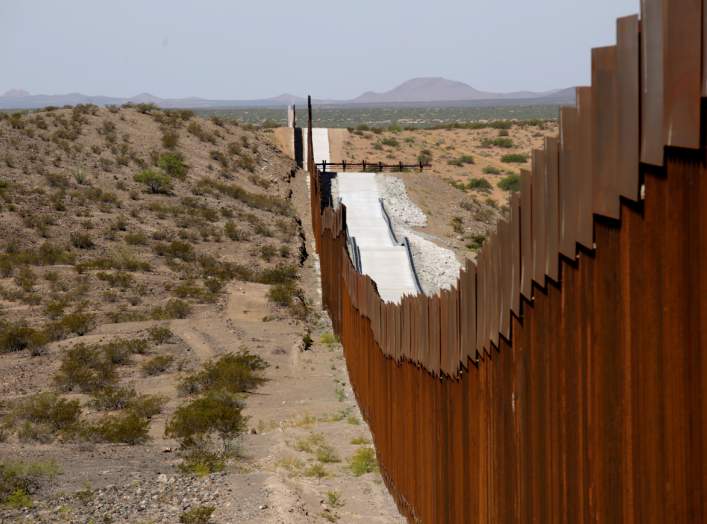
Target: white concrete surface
{"x": 386, "y": 262}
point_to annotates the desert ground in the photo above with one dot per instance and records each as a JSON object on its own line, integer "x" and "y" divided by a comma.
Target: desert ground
{"x": 163, "y": 352}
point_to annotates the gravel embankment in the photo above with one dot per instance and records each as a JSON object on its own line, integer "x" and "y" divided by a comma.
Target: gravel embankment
{"x": 437, "y": 267}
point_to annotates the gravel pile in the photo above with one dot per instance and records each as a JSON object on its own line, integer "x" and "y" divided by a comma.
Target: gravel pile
{"x": 437, "y": 267}
{"x": 392, "y": 191}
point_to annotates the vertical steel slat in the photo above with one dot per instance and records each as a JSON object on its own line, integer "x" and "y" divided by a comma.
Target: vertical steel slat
{"x": 526, "y": 237}
{"x": 628, "y": 92}
{"x": 514, "y": 276}
{"x": 584, "y": 166}
{"x": 552, "y": 224}
{"x": 568, "y": 181}
{"x": 652, "y": 110}
{"x": 605, "y": 133}
{"x": 539, "y": 216}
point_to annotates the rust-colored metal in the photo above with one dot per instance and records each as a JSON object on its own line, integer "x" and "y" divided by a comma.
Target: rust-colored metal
{"x": 605, "y": 114}
{"x": 628, "y": 55}
{"x": 552, "y": 212}
{"x": 568, "y": 181}
{"x": 591, "y": 405}
{"x": 539, "y": 215}
{"x": 652, "y": 86}
{"x": 526, "y": 235}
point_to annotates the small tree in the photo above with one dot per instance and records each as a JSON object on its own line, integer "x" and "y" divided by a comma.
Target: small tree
{"x": 155, "y": 182}
{"x": 216, "y": 413}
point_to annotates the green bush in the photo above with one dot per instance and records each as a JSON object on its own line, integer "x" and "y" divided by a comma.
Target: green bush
{"x": 462, "y": 160}
{"x": 46, "y": 414}
{"x": 81, "y": 241}
{"x": 157, "y": 365}
{"x": 111, "y": 398}
{"x": 160, "y": 334}
{"x": 480, "y": 184}
{"x": 170, "y": 138}
{"x": 283, "y": 294}
{"x": 146, "y": 406}
{"x": 497, "y": 142}
{"x": 17, "y": 337}
{"x": 174, "y": 308}
{"x": 236, "y": 373}
{"x": 515, "y": 158}
{"x": 126, "y": 428}
{"x": 175, "y": 249}
{"x": 19, "y": 480}
{"x": 173, "y": 164}
{"x": 86, "y": 368}
{"x": 155, "y": 182}
{"x": 363, "y": 461}
{"x": 216, "y": 413}
{"x": 490, "y": 170}
{"x": 510, "y": 183}
{"x": 197, "y": 515}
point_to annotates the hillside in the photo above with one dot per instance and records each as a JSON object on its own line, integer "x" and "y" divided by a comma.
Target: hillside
{"x": 156, "y": 302}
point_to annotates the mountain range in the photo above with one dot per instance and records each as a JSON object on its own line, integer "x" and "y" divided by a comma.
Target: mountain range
{"x": 417, "y": 91}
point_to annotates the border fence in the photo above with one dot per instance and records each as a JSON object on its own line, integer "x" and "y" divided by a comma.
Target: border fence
{"x": 563, "y": 378}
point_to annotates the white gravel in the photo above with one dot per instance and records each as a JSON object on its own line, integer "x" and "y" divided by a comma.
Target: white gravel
{"x": 437, "y": 267}
{"x": 393, "y": 193}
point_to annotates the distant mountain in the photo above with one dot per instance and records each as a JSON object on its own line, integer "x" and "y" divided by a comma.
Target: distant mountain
{"x": 415, "y": 92}
{"x": 16, "y": 92}
{"x": 437, "y": 89}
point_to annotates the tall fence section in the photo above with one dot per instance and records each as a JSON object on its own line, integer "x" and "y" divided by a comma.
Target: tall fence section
{"x": 563, "y": 378}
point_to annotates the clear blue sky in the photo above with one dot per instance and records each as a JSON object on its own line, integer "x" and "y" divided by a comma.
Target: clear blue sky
{"x": 241, "y": 49}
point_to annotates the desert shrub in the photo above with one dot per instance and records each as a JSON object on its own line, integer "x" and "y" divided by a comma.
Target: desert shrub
{"x": 155, "y": 182}
{"x": 157, "y": 365}
{"x": 173, "y": 164}
{"x": 170, "y": 138}
{"x": 117, "y": 279}
{"x": 475, "y": 242}
{"x": 126, "y": 428}
{"x": 254, "y": 200}
{"x": 46, "y": 414}
{"x": 174, "y": 308}
{"x": 197, "y": 515}
{"x": 218, "y": 413}
{"x": 199, "y": 132}
{"x": 146, "y": 406}
{"x": 497, "y": 142}
{"x": 20, "y": 480}
{"x": 200, "y": 461}
{"x": 490, "y": 170}
{"x": 85, "y": 368}
{"x": 425, "y": 156}
{"x": 76, "y": 323}
{"x": 363, "y": 461}
{"x": 390, "y": 142}
{"x": 515, "y": 158}
{"x": 461, "y": 160}
{"x": 510, "y": 183}
{"x": 160, "y": 334}
{"x": 278, "y": 275}
{"x": 236, "y": 373}
{"x": 136, "y": 239}
{"x": 18, "y": 336}
{"x": 234, "y": 233}
{"x": 175, "y": 249}
{"x": 81, "y": 241}
{"x": 111, "y": 398}
{"x": 267, "y": 252}
{"x": 457, "y": 224}
{"x": 480, "y": 184}
{"x": 283, "y": 294}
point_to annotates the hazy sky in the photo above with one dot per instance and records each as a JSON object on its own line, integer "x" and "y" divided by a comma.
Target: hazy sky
{"x": 241, "y": 49}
